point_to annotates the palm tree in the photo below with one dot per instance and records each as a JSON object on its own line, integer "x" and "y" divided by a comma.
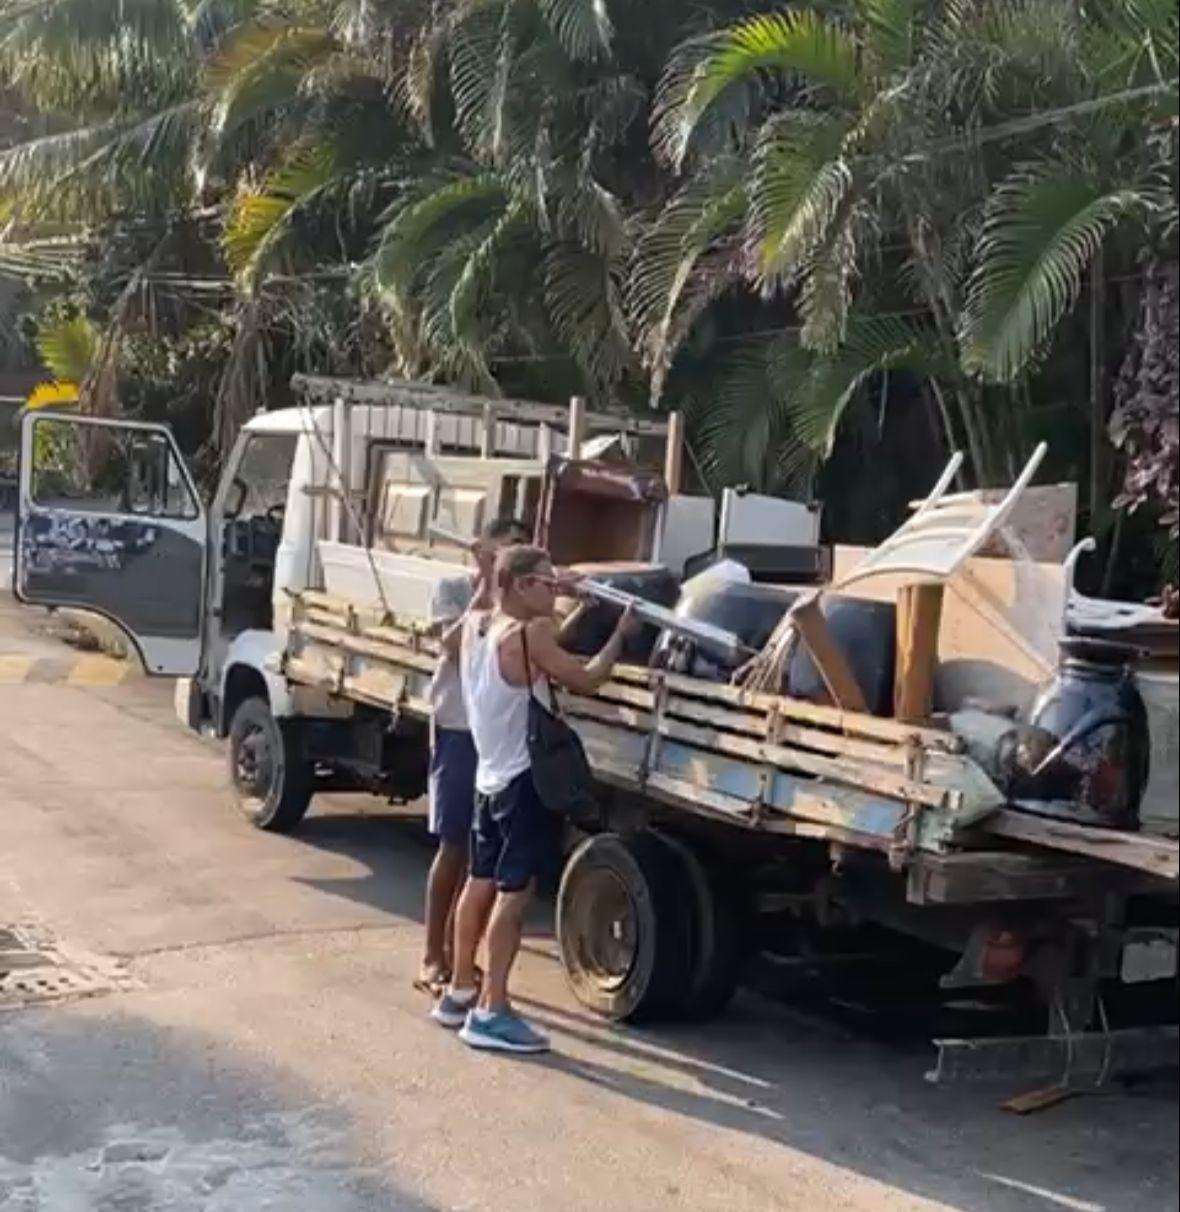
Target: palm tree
{"x": 847, "y": 164}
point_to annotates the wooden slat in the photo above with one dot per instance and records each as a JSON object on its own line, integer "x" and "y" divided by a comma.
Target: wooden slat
{"x": 380, "y": 649}
{"x": 674, "y": 453}
{"x": 881, "y": 782}
{"x": 1158, "y": 855}
{"x": 852, "y": 723}
{"x": 756, "y": 724}
{"x": 919, "y": 613}
{"x": 579, "y": 707}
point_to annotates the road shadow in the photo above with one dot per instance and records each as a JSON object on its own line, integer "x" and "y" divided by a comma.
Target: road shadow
{"x": 835, "y": 1086}
{"x": 788, "y": 1078}
{"x": 396, "y": 848}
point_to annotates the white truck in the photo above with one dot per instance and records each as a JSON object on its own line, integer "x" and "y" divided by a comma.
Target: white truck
{"x": 290, "y": 611}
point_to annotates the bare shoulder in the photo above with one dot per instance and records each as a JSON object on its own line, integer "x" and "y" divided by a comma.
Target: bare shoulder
{"x": 541, "y": 630}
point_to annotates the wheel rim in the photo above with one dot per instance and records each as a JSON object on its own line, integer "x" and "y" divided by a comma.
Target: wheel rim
{"x": 603, "y": 930}
{"x": 254, "y": 763}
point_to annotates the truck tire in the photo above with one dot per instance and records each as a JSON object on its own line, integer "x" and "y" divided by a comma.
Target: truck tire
{"x": 718, "y": 934}
{"x": 622, "y": 927}
{"x": 271, "y": 783}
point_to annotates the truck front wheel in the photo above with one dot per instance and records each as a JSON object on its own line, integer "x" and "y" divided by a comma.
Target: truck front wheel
{"x": 272, "y": 783}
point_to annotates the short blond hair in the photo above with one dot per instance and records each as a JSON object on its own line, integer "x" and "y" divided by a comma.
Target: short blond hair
{"x": 512, "y": 563}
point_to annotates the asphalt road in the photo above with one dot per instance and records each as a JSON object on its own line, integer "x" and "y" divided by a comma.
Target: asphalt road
{"x": 256, "y": 1043}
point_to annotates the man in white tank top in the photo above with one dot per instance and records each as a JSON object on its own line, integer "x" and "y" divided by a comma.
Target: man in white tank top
{"x": 452, "y": 752}
{"x": 515, "y": 837}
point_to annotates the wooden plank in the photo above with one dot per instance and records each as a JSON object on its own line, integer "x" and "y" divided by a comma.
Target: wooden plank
{"x": 828, "y": 656}
{"x": 880, "y": 782}
{"x": 383, "y": 650}
{"x": 756, "y": 724}
{"x": 674, "y": 453}
{"x": 579, "y": 707}
{"x": 852, "y": 723}
{"x": 577, "y": 427}
{"x": 919, "y": 612}
{"x": 1157, "y": 855}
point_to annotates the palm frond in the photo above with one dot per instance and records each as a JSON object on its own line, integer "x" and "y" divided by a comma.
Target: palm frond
{"x": 594, "y": 216}
{"x": 89, "y": 174}
{"x": 415, "y": 230}
{"x": 889, "y": 33}
{"x": 1132, "y": 42}
{"x": 582, "y": 300}
{"x": 800, "y": 45}
{"x": 583, "y": 27}
{"x": 871, "y": 346}
{"x": 260, "y": 70}
{"x": 1042, "y": 228}
{"x": 474, "y": 282}
{"x": 96, "y": 57}
{"x": 260, "y": 219}
{"x": 478, "y": 46}
{"x": 825, "y": 292}
{"x": 67, "y": 346}
{"x": 696, "y": 222}
{"x": 740, "y": 424}
{"x": 797, "y": 188}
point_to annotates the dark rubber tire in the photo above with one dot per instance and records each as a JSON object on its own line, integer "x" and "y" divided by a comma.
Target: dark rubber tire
{"x": 718, "y": 934}
{"x": 624, "y": 928}
{"x": 277, "y": 795}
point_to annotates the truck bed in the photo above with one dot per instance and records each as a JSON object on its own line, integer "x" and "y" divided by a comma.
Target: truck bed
{"x": 755, "y": 761}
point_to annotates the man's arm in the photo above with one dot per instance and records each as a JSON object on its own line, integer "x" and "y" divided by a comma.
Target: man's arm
{"x": 449, "y": 629}
{"x": 565, "y": 629}
{"x": 547, "y": 656}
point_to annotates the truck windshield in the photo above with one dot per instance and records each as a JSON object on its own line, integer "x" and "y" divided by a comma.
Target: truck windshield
{"x": 260, "y": 483}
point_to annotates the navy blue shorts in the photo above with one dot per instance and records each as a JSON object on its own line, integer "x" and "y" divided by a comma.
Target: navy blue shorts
{"x": 515, "y": 839}
{"x": 452, "y": 785}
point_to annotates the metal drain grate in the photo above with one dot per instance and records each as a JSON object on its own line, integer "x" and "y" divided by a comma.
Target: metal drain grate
{"x": 32, "y": 972}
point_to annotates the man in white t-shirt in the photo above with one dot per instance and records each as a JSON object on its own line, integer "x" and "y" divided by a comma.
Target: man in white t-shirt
{"x": 452, "y": 752}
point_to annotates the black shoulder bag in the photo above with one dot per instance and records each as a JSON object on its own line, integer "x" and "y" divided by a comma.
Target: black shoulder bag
{"x": 561, "y": 773}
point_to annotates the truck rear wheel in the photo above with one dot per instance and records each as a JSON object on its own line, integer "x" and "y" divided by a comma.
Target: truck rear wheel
{"x": 272, "y": 783}
{"x": 622, "y": 927}
{"x": 718, "y": 936}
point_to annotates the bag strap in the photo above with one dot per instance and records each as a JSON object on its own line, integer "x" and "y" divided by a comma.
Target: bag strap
{"x": 528, "y": 673}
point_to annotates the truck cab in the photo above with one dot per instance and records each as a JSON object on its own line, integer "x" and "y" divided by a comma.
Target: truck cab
{"x": 111, "y": 521}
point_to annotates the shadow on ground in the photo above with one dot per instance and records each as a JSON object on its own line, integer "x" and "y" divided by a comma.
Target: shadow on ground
{"x": 817, "y": 1084}
{"x": 107, "y": 1114}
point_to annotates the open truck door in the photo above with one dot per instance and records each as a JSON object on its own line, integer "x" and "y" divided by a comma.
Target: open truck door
{"x": 109, "y": 520}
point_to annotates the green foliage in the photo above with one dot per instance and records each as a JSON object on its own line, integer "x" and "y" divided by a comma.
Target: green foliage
{"x": 67, "y": 345}
{"x": 1043, "y": 227}
{"x": 781, "y": 217}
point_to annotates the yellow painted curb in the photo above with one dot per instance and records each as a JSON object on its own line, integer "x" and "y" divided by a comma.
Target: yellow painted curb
{"x": 93, "y": 669}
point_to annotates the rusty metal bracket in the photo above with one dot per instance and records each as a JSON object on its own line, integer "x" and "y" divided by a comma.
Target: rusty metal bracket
{"x": 651, "y": 750}
{"x": 905, "y": 835}
{"x": 772, "y": 733}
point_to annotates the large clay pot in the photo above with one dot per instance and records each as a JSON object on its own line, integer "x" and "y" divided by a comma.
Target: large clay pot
{"x": 651, "y": 582}
{"x": 1096, "y": 766}
{"x": 749, "y": 611}
{"x": 866, "y": 632}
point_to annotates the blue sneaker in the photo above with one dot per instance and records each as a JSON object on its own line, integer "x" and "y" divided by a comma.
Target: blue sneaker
{"x": 501, "y": 1031}
{"x": 451, "y": 1009}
